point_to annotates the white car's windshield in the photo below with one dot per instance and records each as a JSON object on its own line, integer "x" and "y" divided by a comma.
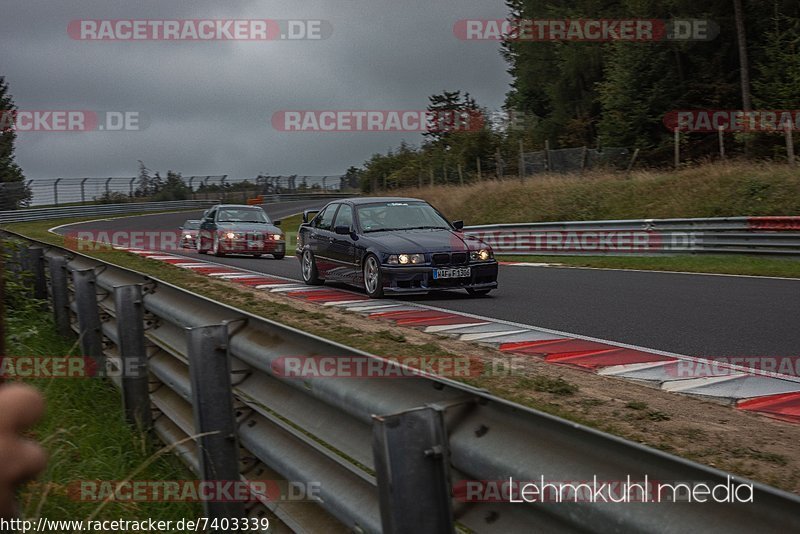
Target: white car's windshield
{"x": 388, "y": 216}
{"x": 247, "y": 215}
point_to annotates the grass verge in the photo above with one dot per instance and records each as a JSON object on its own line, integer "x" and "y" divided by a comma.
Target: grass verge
{"x": 715, "y": 264}
{"x": 85, "y": 434}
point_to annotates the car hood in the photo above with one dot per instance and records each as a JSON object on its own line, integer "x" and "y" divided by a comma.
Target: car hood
{"x": 248, "y": 227}
{"x": 414, "y": 241}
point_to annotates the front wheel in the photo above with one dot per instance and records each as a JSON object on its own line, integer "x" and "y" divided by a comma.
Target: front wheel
{"x": 309, "y": 267}
{"x": 478, "y": 292}
{"x": 373, "y": 278}
{"x": 279, "y": 255}
{"x": 216, "y": 250}
{"x": 200, "y": 246}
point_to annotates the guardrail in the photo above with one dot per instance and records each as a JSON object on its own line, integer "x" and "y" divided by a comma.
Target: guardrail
{"x": 387, "y": 455}
{"x": 723, "y": 235}
{"x": 39, "y": 214}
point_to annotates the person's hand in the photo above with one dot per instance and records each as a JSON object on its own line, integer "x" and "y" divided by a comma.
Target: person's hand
{"x": 20, "y": 459}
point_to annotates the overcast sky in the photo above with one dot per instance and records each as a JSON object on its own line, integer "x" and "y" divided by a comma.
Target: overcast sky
{"x": 209, "y": 104}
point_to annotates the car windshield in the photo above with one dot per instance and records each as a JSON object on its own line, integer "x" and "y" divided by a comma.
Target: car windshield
{"x": 399, "y": 216}
{"x": 244, "y": 215}
{"x": 191, "y": 225}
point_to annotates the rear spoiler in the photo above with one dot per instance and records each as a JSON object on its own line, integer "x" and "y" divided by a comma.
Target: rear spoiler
{"x": 307, "y": 213}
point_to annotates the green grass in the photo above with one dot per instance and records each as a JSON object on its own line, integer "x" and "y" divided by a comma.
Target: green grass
{"x": 86, "y": 436}
{"x": 719, "y": 264}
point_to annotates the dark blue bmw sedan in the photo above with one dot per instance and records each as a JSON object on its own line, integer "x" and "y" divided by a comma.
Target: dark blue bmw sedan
{"x": 397, "y": 245}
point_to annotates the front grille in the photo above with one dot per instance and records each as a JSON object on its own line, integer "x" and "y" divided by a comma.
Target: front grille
{"x": 441, "y": 259}
{"x": 456, "y": 258}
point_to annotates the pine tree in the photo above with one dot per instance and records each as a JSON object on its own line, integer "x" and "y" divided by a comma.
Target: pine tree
{"x": 14, "y": 192}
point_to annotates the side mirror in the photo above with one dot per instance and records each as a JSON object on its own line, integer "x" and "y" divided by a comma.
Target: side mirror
{"x": 342, "y": 229}
{"x": 458, "y": 225}
{"x": 276, "y": 223}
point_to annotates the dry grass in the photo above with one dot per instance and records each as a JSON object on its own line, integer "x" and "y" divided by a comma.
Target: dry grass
{"x": 710, "y": 190}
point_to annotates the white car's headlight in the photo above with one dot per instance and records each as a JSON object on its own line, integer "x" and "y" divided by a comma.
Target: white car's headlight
{"x": 187, "y": 236}
{"x": 481, "y": 255}
{"x": 230, "y": 235}
{"x": 406, "y": 259}
{"x": 276, "y": 237}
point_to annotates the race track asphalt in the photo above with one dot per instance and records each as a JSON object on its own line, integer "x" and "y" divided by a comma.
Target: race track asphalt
{"x": 696, "y": 315}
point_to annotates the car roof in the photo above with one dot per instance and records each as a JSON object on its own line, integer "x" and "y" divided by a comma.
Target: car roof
{"x": 371, "y": 200}
{"x": 236, "y": 206}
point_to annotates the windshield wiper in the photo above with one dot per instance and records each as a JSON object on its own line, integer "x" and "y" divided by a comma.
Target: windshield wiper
{"x": 426, "y": 227}
{"x": 384, "y": 230}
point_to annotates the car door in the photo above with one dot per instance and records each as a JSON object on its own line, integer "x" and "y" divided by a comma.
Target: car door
{"x": 320, "y": 239}
{"x": 342, "y": 249}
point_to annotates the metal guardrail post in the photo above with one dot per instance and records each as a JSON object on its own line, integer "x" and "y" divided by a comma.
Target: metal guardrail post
{"x": 411, "y": 466}
{"x": 60, "y": 294}
{"x": 91, "y": 336}
{"x": 215, "y": 422}
{"x": 35, "y": 265}
{"x": 130, "y": 329}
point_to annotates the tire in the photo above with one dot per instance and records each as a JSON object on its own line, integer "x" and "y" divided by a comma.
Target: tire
{"x": 215, "y": 247}
{"x": 373, "y": 277}
{"x": 199, "y": 246}
{"x": 308, "y": 267}
{"x": 478, "y": 292}
{"x": 279, "y": 256}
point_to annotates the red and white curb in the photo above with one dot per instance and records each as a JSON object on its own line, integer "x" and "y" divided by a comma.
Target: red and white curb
{"x": 771, "y": 394}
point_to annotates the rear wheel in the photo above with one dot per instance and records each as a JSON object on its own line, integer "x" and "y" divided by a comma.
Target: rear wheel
{"x": 256, "y": 255}
{"x": 279, "y": 255}
{"x": 309, "y": 267}
{"x": 478, "y": 292}
{"x": 373, "y": 277}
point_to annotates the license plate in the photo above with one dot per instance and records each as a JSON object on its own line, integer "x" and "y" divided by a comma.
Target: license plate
{"x": 460, "y": 272}
{"x": 254, "y": 244}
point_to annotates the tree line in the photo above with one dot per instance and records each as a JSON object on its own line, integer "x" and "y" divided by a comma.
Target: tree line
{"x": 617, "y": 93}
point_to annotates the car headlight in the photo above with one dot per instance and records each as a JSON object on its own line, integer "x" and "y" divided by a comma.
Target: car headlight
{"x": 406, "y": 259}
{"x": 230, "y": 235}
{"x": 187, "y": 236}
{"x": 276, "y": 237}
{"x": 481, "y": 255}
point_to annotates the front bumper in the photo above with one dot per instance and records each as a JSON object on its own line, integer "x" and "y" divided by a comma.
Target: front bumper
{"x": 416, "y": 279}
{"x": 245, "y": 246}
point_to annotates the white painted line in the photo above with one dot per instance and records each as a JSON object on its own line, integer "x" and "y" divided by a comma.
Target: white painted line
{"x": 692, "y": 383}
{"x": 446, "y": 327}
{"x": 486, "y": 335}
{"x": 627, "y": 368}
{"x": 342, "y": 303}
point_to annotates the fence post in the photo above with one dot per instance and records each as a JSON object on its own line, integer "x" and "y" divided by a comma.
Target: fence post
{"x": 521, "y": 161}
{"x": 133, "y": 353}
{"x": 431, "y": 172}
{"x": 55, "y": 191}
{"x": 91, "y": 336}
{"x": 460, "y": 174}
{"x": 499, "y": 164}
{"x": 83, "y": 191}
{"x": 789, "y": 143}
{"x": 584, "y": 157}
{"x": 58, "y": 287}
{"x": 547, "y": 165}
{"x": 108, "y": 187}
{"x": 478, "y": 161}
{"x": 214, "y": 419}
{"x": 720, "y": 131}
{"x": 35, "y": 264}
{"x": 677, "y": 148}
{"x": 633, "y": 160}
{"x": 411, "y": 466}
